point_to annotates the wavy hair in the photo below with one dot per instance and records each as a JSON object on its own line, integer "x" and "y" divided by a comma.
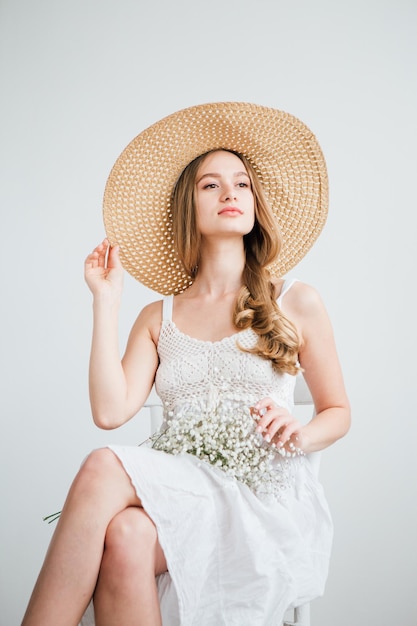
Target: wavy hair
{"x": 255, "y": 305}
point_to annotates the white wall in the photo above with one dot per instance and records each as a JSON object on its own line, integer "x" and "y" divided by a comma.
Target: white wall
{"x": 79, "y": 80}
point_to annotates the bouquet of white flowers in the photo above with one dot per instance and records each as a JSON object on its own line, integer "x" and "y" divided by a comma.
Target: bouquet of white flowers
{"x": 225, "y": 436}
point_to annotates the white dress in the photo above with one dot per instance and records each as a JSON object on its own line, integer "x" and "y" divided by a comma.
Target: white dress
{"x": 235, "y": 557}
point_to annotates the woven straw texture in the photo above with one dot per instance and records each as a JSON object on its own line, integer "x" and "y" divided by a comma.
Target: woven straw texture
{"x": 283, "y": 151}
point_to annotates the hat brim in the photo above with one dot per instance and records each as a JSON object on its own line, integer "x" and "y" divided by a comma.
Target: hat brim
{"x": 283, "y": 151}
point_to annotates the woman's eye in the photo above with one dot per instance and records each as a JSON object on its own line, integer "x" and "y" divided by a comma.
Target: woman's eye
{"x": 243, "y": 185}
{"x": 210, "y": 186}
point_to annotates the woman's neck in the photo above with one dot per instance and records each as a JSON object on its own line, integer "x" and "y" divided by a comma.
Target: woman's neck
{"x": 220, "y": 269}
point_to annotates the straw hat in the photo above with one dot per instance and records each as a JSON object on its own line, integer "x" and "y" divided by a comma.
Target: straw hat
{"x": 283, "y": 151}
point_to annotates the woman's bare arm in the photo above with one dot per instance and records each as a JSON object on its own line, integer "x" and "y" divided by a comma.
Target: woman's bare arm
{"x": 322, "y": 372}
{"x": 118, "y": 387}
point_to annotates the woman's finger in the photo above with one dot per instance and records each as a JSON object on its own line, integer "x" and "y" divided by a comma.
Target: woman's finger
{"x": 277, "y": 416}
{"x": 113, "y": 260}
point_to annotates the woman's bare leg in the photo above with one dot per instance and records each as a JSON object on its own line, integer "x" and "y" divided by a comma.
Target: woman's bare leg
{"x": 126, "y": 592}
{"x": 69, "y": 574}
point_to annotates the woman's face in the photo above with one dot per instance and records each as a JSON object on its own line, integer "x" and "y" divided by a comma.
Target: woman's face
{"x": 224, "y": 199}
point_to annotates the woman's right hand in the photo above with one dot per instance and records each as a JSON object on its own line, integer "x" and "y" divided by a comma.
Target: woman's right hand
{"x": 103, "y": 270}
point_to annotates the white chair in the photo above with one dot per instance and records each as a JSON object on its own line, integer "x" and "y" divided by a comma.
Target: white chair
{"x": 300, "y": 616}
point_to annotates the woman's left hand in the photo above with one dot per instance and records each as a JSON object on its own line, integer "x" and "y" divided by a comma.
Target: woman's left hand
{"x": 278, "y": 427}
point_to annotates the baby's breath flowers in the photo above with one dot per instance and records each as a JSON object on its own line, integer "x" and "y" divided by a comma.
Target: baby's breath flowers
{"x": 224, "y": 435}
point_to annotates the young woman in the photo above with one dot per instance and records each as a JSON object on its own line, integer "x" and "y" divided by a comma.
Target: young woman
{"x": 220, "y": 520}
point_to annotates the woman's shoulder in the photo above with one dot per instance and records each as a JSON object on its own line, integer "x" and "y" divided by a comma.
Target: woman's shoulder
{"x": 152, "y": 308}
{"x": 151, "y": 311}
{"x": 303, "y": 306}
{"x": 299, "y": 297}
{"x": 149, "y": 319}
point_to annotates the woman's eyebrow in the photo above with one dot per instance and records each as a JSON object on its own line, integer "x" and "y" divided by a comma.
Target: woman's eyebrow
{"x": 216, "y": 175}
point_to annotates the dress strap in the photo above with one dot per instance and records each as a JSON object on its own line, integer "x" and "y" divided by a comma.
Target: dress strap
{"x": 167, "y": 306}
{"x": 286, "y": 286}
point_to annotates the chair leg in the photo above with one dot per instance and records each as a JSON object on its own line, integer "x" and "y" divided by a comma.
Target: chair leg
{"x": 301, "y": 616}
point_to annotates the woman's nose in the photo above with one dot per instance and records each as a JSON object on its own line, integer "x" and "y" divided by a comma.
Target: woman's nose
{"x": 229, "y": 194}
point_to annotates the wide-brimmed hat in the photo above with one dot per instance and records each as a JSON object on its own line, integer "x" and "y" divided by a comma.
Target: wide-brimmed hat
{"x": 283, "y": 151}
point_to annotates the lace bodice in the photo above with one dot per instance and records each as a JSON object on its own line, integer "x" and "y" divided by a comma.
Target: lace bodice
{"x": 211, "y": 372}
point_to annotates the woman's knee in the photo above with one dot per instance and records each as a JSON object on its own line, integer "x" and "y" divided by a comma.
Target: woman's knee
{"x": 130, "y": 534}
{"x": 132, "y": 557}
{"x": 131, "y": 545}
{"x": 99, "y": 462}
{"x": 102, "y": 472}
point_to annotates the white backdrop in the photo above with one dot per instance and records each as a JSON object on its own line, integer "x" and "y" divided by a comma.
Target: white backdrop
{"x": 79, "y": 80}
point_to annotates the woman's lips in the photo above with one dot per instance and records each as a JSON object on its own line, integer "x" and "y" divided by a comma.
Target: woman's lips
{"x": 230, "y": 210}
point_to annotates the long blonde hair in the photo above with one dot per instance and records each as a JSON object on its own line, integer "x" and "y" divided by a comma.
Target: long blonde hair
{"x": 255, "y": 304}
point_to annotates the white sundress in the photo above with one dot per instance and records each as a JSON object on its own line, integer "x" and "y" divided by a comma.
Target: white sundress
{"x": 234, "y": 558}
